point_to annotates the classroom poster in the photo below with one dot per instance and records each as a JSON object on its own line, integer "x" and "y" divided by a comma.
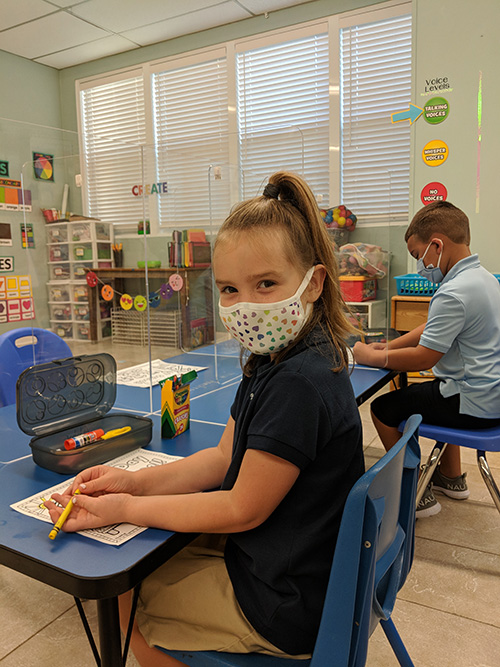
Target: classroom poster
{"x": 43, "y": 166}
{"x": 16, "y": 299}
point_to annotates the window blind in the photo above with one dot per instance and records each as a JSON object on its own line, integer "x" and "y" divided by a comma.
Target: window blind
{"x": 192, "y": 143}
{"x": 283, "y": 113}
{"x": 375, "y": 82}
{"x": 113, "y": 134}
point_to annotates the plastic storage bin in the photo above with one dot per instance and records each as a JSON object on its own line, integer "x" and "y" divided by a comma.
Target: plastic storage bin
{"x": 81, "y": 312}
{"x": 58, "y": 252}
{"x": 80, "y": 270}
{"x": 59, "y": 293}
{"x": 60, "y": 311}
{"x": 82, "y": 252}
{"x": 61, "y": 399}
{"x": 80, "y": 293}
{"x": 358, "y": 288}
{"x": 412, "y": 284}
{"x": 57, "y": 233}
{"x": 81, "y": 231}
{"x": 63, "y": 329}
{"x": 60, "y": 271}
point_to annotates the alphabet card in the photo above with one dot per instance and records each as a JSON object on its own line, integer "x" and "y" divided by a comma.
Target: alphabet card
{"x": 16, "y": 299}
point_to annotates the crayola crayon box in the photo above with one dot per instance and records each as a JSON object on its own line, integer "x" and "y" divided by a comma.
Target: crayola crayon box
{"x": 175, "y": 398}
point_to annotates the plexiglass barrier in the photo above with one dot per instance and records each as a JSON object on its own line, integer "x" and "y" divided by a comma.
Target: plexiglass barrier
{"x": 126, "y": 263}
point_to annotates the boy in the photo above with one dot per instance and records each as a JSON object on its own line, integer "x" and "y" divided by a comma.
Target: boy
{"x": 460, "y": 341}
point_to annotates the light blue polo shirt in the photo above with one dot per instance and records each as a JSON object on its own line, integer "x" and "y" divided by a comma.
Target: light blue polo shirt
{"x": 464, "y": 323}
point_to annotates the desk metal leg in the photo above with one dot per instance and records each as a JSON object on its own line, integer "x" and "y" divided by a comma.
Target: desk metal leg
{"x": 109, "y": 632}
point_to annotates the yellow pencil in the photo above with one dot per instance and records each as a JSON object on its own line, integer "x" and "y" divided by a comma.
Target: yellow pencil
{"x": 60, "y": 522}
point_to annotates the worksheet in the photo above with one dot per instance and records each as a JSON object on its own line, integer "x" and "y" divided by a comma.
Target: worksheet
{"x": 116, "y": 534}
{"x": 138, "y": 376}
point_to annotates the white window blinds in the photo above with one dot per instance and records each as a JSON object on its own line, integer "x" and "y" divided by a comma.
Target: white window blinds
{"x": 283, "y": 114}
{"x": 113, "y": 133}
{"x": 375, "y": 82}
{"x": 191, "y": 140}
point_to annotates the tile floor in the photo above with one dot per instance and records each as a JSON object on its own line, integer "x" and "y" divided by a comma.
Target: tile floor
{"x": 448, "y": 613}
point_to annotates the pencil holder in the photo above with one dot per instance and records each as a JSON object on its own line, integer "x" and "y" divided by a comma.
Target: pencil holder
{"x": 62, "y": 400}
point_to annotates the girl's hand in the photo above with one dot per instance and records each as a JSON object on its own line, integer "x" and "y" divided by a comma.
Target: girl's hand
{"x": 89, "y": 512}
{"x": 99, "y": 480}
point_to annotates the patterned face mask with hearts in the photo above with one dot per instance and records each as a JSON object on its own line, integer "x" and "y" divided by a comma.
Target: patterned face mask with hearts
{"x": 266, "y": 328}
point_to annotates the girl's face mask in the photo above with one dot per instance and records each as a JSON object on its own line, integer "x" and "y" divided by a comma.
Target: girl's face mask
{"x": 266, "y": 328}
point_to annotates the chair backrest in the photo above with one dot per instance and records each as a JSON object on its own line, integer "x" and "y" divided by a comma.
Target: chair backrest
{"x": 373, "y": 555}
{"x": 22, "y": 348}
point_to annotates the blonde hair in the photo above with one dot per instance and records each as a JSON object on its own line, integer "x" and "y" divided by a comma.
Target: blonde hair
{"x": 289, "y": 205}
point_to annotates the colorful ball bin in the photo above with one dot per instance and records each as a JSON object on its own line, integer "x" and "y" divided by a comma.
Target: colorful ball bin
{"x": 339, "y": 217}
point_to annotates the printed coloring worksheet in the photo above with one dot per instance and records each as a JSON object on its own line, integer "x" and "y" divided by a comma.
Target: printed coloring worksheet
{"x": 117, "y": 533}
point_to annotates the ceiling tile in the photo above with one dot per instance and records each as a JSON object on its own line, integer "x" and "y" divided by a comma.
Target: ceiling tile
{"x": 121, "y": 15}
{"x": 14, "y": 12}
{"x": 225, "y": 12}
{"x": 47, "y": 35}
{"x": 263, "y": 6}
{"x": 86, "y": 52}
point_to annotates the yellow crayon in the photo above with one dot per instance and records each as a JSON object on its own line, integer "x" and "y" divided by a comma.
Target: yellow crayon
{"x": 60, "y": 521}
{"x": 117, "y": 431}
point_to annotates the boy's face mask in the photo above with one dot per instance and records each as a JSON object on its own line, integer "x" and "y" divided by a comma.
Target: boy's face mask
{"x": 266, "y": 328}
{"x": 431, "y": 272}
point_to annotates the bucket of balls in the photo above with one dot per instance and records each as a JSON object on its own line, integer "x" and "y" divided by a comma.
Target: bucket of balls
{"x": 339, "y": 221}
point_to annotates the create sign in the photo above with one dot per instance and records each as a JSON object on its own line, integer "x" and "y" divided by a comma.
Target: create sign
{"x": 150, "y": 189}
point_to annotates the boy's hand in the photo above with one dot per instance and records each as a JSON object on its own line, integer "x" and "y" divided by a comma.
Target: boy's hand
{"x": 374, "y": 354}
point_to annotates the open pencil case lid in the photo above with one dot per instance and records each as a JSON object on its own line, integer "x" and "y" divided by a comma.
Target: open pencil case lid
{"x": 60, "y": 399}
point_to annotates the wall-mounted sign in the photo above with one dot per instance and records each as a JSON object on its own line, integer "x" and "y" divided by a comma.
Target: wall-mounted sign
{"x": 437, "y": 83}
{"x": 27, "y": 235}
{"x": 150, "y": 189}
{"x": 4, "y": 169}
{"x": 435, "y": 153}
{"x": 436, "y": 110}
{"x": 412, "y": 114}
{"x": 433, "y": 192}
{"x": 16, "y": 299}
{"x": 43, "y": 166}
{"x": 6, "y": 264}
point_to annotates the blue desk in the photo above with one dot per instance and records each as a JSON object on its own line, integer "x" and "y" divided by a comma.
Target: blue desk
{"x": 82, "y": 567}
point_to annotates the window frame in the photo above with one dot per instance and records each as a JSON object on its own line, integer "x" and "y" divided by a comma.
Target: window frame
{"x": 333, "y": 24}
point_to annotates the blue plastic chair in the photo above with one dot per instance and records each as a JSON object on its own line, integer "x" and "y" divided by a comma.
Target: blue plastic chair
{"x": 373, "y": 557}
{"x": 482, "y": 439}
{"x": 22, "y": 348}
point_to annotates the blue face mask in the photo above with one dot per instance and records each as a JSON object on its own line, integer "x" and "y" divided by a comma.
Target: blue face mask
{"x": 432, "y": 273}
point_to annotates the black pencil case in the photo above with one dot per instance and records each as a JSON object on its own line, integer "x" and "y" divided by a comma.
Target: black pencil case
{"x": 62, "y": 399}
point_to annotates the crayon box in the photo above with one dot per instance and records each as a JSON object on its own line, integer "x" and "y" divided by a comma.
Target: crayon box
{"x": 175, "y": 404}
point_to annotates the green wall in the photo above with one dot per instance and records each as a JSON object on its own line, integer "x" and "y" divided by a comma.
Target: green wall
{"x": 460, "y": 41}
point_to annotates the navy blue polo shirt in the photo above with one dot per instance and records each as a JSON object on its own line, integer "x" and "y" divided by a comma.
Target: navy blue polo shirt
{"x": 303, "y": 412}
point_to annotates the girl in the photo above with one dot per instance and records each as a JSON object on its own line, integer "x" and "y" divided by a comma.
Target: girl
{"x": 291, "y": 451}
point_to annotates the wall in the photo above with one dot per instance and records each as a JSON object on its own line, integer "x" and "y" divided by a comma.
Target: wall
{"x": 29, "y": 111}
{"x": 460, "y": 41}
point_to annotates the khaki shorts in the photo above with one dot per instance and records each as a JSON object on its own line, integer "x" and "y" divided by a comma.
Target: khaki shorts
{"x": 189, "y": 604}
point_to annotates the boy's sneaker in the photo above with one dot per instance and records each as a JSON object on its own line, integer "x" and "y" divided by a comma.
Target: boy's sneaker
{"x": 428, "y": 505}
{"x": 455, "y": 487}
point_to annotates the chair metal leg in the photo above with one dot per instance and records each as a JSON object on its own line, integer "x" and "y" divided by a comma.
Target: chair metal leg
{"x": 488, "y": 478}
{"x": 396, "y": 643}
{"x": 428, "y": 469}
